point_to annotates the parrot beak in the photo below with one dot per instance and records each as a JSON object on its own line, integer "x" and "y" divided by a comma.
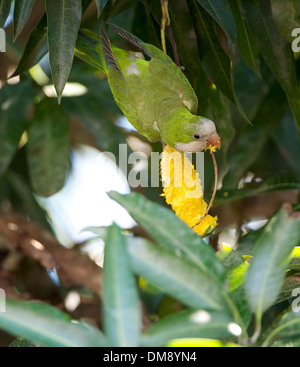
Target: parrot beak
{"x": 214, "y": 141}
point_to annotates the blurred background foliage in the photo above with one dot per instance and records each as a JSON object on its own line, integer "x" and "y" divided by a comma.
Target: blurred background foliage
{"x": 57, "y": 114}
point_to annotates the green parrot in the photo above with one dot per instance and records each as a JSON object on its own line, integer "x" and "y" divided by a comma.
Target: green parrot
{"x": 155, "y": 96}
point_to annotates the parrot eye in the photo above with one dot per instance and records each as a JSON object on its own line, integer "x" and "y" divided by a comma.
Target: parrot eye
{"x": 196, "y": 136}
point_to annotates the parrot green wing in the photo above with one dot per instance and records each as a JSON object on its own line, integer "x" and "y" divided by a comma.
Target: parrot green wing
{"x": 177, "y": 82}
{"x": 128, "y": 90}
{"x": 153, "y": 95}
{"x": 89, "y": 50}
{"x": 86, "y": 49}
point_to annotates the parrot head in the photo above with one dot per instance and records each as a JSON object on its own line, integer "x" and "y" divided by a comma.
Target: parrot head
{"x": 197, "y": 135}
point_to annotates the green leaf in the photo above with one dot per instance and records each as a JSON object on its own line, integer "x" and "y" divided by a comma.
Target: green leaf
{"x": 171, "y": 232}
{"x": 48, "y": 326}
{"x": 277, "y": 183}
{"x": 287, "y": 141}
{"x": 186, "y": 40}
{"x": 276, "y": 51}
{"x": 22, "y": 11}
{"x": 15, "y": 102}
{"x": 48, "y": 148}
{"x": 239, "y": 299}
{"x": 253, "y": 138}
{"x": 100, "y": 6}
{"x": 285, "y": 16}
{"x": 121, "y": 309}
{"x": 37, "y": 45}
{"x": 248, "y": 88}
{"x": 290, "y": 283}
{"x": 189, "y": 324}
{"x": 143, "y": 23}
{"x": 270, "y": 259}
{"x": 187, "y": 48}
{"x": 97, "y": 112}
{"x": 288, "y": 327}
{"x": 245, "y": 40}
{"x": 18, "y": 182}
{"x": 35, "y": 49}
{"x": 294, "y": 102}
{"x": 214, "y": 59}
{"x": 247, "y": 242}
{"x": 63, "y": 19}
{"x": 295, "y": 259}
{"x": 23, "y": 343}
{"x": 220, "y": 113}
{"x": 176, "y": 276}
{"x": 235, "y": 266}
{"x": 4, "y": 11}
{"x": 220, "y": 11}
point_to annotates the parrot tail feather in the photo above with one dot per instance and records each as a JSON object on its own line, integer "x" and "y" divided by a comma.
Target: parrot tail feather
{"x": 135, "y": 41}
{"x": 87, "y": 48}
{"x": 107, "y": 51}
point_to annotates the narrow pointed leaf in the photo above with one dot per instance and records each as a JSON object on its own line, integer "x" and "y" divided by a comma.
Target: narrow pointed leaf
{"x": 176, "y": 276}
{"x": 22, "y": 11}
{"x": 100, "y": 6}
{"x": 288, "y": 327}
{"x": 257, "y": 88}
{"x": 290, "y": 283}
{"x": 97, "y": 113}
{"x": 36, "y": 48}
{"x": 285, "y": 17}
{"x": 171, "y": 232}
{"x": 270, "y": 259}
{"x": 188, "y": 324}
{"x": 186, "y": 40}
{"x": 23, "y": 343}
{"x": 48, "y": 326}
{"x": 220, "y": 111}
{"x": 48, "y": 148}
{"x": 63, "y": 19}
{"x": 121, "y": 312}
{"x": 214, "y": 59}
{"x": 220, "y": 11}
{"x": 245, "y": 40}
{"x": 287, "y": 140}
{"x": 269, "y": 113}
{"x": 15, "y": 103}
{"x": 276, "y": 51}
{"x": 295, "y": 259}
{"x": 277, "y": 183}
{"x": 4, "y": 11}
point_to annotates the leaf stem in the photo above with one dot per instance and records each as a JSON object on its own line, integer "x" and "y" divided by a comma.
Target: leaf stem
{"x": 214, "y": 192}
{"x": 237, "y": 318}
{"x": 174, "y": 47}
{"x": 165, "y": 21}
{"x": 257, "y": 330}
